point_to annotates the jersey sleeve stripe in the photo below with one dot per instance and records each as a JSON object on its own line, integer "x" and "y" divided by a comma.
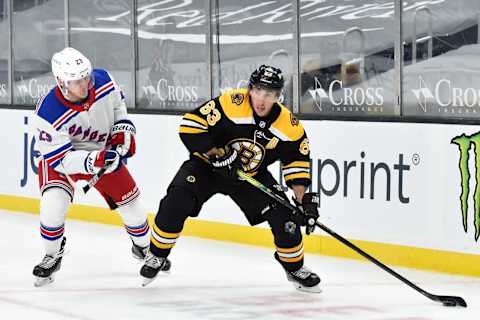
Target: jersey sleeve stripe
{"x": 106, "y": 86}
{"x": 53, "y": 158}
{"x": 185, "y": 129}
{"x": 57, "y": 151}
{"x": 55, "y": 161}
{"x": 300, "y": 164}
{"x": 294, "y": 170}
{"x": 99, "y": 96}
{"x": 280, "y": 134}
{"x": 298, "y": 175}
{"x": 194, "y": 117}
{"x": 39, "y": 104}
{"x": 193, "y": 124}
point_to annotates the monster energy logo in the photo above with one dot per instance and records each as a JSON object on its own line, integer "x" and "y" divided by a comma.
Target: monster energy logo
{"x": 464, "y": 143}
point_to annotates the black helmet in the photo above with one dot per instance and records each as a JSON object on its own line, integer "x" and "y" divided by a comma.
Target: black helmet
{"x": 267, "y": 77}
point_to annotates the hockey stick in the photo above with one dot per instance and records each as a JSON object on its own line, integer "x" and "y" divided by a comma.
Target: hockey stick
{"x": 449, "y": 301}
{"x": 96, "y": 177}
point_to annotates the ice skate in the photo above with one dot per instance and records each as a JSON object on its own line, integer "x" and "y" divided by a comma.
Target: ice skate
{"x": 45, "y": 270}
{"x": 153, "y": 265}
{"x": 139, "y": 253}
{"x": 304, "y": 280}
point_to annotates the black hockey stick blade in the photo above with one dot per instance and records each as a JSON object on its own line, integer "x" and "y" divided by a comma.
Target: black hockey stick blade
{"x": 449, "y": 301}
{"x": 94, "y": 180}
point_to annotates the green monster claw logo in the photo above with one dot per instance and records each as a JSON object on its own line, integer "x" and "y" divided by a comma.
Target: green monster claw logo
{"x": 464, "y": 143}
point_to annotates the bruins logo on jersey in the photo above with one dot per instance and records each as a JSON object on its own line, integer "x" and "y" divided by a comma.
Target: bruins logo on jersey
{"x": 237, "y": 98}
{"x": 251, "y": 154}
{"x": 293, "y": 120}
{"x": 304, "y": 147}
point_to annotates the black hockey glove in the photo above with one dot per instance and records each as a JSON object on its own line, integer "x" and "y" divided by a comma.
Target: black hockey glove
{"x": 228, "y": 164}
{"x": 309, "y": 211}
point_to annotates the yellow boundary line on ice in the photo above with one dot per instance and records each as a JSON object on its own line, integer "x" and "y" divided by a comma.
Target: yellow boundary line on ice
{"x": 391, "y": 254}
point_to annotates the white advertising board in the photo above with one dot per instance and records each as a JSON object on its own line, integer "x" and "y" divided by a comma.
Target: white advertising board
{"x": 393, "y": 183}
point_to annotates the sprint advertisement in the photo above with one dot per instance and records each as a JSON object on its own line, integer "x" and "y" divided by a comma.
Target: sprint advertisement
{"x": 407, "y": 184}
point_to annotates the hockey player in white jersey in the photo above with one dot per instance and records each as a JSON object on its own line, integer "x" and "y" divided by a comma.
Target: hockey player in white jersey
{"x": 82, "y": 126}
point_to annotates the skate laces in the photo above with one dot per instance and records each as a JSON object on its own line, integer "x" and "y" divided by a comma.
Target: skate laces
{"x": 48, "y": 261}
{"x": 302, "y": 273}
{"x": 153, "y": 261}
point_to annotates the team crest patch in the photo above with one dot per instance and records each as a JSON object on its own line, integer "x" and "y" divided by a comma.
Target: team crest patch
{"x": 191, "y": 179}
{"x": 237, "y": 98}
{"x": 293, "y": 120}
{"x": 290, "y": 227}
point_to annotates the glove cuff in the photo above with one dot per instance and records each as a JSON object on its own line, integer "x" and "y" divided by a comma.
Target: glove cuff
{"x": 310, "y": 197}
{"x": 224, "y": 162}
{"x": 123, "y": 126}
{"x": 90, "y": 161}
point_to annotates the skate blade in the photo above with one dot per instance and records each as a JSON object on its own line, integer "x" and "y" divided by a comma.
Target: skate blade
{"x": 40, "y": 282}
{"x": 314, "y": 289}
{"x": 147, "y": 281}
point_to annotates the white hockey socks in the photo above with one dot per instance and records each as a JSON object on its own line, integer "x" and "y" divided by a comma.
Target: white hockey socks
{"x": 53, "y": 209}
{"x": 134, "y": 218}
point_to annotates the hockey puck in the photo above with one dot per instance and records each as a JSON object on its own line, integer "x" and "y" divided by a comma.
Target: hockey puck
{"x": 449, "y": 304}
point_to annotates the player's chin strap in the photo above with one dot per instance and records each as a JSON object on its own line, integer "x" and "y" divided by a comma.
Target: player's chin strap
{"x": 450, "y": 301}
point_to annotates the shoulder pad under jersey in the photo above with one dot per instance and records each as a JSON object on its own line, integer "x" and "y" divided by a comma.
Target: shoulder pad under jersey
{"x": 287, "y": 127}
{"x": 104, "y": 83}
{"x": 51, "y": 109}
{"x": 101, "y": 78}
{"x": 236, "y": 106}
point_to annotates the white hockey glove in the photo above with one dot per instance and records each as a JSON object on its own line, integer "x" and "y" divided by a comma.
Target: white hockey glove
{"x": 96, "y": 160}
{"x": 122, "y": 138}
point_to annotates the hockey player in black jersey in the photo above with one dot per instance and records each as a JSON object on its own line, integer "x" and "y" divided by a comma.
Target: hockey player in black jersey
{"x": 246, "y": 129}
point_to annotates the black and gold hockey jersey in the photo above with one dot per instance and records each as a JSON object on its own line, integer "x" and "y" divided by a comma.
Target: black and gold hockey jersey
{"x": 228, "y": 121}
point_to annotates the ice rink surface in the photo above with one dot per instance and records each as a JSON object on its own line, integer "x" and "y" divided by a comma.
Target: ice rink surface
{"x": 209, "y": 280}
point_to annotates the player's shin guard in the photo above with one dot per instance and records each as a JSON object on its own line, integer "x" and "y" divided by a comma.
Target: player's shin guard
{"x": 161, "y": 242}
{"x": 174, "y": 209}
{"x": 53, "y": 208}
{"x": 134, "y": 217}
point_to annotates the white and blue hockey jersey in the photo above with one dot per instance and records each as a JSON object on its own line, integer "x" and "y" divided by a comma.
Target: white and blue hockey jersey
{"x": 66, "y": 132}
